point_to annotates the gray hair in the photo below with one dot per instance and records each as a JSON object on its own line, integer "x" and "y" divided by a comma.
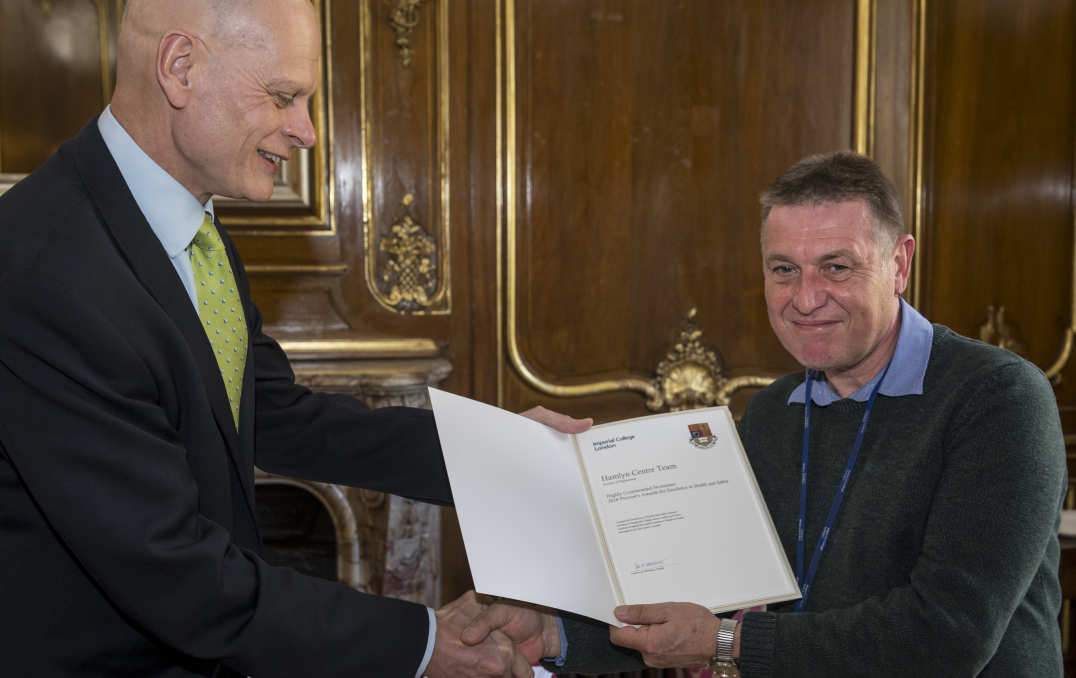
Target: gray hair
{"x": 842, "y": 176}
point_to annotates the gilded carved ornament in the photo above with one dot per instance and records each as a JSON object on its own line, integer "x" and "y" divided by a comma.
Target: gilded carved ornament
{"x": 410, "y": 274}
{"x": 404, "y": 18}
{"x": 997, "y": 330}
{"x": 691, "y": 375}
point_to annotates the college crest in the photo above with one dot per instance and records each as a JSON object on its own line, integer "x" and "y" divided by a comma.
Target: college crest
{"x": 701, "y": 436}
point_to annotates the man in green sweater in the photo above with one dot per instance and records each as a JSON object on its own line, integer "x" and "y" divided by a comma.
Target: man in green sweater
{"x": 915, "y": 476}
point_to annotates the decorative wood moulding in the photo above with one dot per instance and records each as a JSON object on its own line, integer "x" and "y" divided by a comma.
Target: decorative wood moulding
{"x": 359, "y": 349}
{"x": 998, "y": 331}
{"x": 691, "y": 380}
{"x": 403, "y": 19}
{"x": 692, "y": 374}
{"x": 408, "y": 269}
{"x": 915, "y": 161}
{"x": 866, "y": 46}
{"x": 304, "y": 190}
{"x": 409, "y": 278}
{"x": 1054, "y": 371}
{"x": 108, "y": 19}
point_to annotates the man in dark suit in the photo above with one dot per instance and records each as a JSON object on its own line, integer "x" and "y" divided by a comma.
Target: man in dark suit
{"x": 130, "y": 425}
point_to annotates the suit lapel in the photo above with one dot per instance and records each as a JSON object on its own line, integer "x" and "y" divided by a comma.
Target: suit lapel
{"x": 150, "y": 263}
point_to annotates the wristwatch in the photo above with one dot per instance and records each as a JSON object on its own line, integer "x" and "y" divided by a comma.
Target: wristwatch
{"x": 723, "y": 665}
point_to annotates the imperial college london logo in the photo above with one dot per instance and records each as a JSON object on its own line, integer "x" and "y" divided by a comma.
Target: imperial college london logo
{"x": 701, "y": 436}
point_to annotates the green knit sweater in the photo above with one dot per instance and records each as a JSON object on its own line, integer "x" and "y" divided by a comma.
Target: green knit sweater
{"x": 943, "y": 559}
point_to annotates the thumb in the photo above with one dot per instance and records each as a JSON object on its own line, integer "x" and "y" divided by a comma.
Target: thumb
{"x": 558, "y": 421}
{"x": 491, "y": 619}
{"x": 655, "y": 613}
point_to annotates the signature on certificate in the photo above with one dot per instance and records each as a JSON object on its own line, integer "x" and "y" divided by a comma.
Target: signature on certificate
{"x": 642, "y": 567}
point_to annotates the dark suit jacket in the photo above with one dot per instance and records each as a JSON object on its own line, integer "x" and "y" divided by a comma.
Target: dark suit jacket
{"x": 128, "y": 543}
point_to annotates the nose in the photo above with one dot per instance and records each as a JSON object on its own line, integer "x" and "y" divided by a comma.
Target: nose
{"x": 300, "y": 129}
{"x": 809, "y": 294}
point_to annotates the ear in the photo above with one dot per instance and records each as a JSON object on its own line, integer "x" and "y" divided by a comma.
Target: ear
{"x": 175, "y": 61}
{"x": 902, "y": 262}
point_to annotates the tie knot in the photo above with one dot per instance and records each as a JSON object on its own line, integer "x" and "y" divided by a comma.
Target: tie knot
{"x": 207, "y": 238}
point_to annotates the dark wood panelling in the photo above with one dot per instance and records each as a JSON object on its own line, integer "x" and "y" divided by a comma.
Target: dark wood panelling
{"x": 366, "y": 83}
{"x": 1000, "y": 150}
{"x": 51, "y": 75}
{"x": 645, "y": 131}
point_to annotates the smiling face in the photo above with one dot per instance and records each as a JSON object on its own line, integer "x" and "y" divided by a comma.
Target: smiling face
{"x": 249, "y": 101}
{"x": 832, "y": 289}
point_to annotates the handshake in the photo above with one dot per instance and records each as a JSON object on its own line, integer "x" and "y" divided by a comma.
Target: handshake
{"x": 480, "y": 637}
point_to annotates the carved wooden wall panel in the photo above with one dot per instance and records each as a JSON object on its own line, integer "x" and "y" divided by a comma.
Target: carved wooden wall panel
{"x": 1000, "y": 145}
{"x": 637, "y": 136}
{"x": 379, "y": 181}
{"x": 384, "y": 103}
{"x": 56, "y": 71}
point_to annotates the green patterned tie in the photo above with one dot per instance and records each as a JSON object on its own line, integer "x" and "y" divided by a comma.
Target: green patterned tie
{"x": 219, "y": 309}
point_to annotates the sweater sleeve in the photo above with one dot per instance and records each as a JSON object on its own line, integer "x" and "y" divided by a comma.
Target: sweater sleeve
{"x": 989, "y": 539}
{"x": 589, "y": 649}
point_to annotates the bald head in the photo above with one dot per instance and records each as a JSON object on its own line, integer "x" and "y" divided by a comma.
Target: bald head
{"x": 239, "y": 23}
{"x": 145, "y": 22}
{"x": 195, "y": 70}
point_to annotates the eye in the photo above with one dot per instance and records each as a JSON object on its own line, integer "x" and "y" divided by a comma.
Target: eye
{"x": 836, "y": 271}
{"x": 781, "y": 269}
{"x": 283, "y": 100}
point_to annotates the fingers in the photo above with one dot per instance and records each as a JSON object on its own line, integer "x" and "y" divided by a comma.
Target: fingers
{"x": 672, "y": 634}
{"x": 521, "y": 668}
{"x": 558, "y": 421}
{"x": 494, "y": 657}
{"x": 655, "y": 613}
{"x": 491, "y": 619}
{"x": 629, "y": 636}
{"x": 464, "y": 608}
{"x": 503, "y": 659}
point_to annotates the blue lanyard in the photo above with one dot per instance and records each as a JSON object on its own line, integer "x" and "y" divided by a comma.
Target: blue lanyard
{"x": 805, "y": 584}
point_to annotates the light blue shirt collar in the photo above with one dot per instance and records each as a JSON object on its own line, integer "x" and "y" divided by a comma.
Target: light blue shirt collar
{"x": 906, "y": 371}
{"x": 172, "y": 211}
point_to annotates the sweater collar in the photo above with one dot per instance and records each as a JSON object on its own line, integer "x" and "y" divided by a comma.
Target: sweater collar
{"x": 906, "y": 372}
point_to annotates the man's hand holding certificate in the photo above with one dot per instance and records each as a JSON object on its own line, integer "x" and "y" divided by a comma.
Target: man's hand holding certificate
{"x": 655, "y": 509}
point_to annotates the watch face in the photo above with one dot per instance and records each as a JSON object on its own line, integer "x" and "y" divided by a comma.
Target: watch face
{"x": 724, "y": 670}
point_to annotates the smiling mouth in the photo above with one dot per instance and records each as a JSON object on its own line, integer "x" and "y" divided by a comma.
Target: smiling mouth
{"x": 271, "y": 157}
{"x": 814, "y": 325}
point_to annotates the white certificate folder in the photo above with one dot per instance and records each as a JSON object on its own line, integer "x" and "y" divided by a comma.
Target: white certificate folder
{"x": 655, "y": 509}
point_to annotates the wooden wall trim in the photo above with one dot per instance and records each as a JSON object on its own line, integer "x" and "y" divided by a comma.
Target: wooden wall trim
{"x": 862, "y": 124}
{"x": 866, "y": 80}
{"x": 919, "y": 21}
{"x": 440, "y": 301}
{"x": 1054, "y": 371}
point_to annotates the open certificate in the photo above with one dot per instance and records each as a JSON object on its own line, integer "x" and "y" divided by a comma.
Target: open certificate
{"x": 655, "y": 509}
